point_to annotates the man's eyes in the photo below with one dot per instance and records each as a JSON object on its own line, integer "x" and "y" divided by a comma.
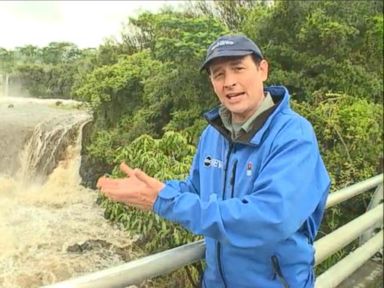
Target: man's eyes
{"x": 218, "y": 75}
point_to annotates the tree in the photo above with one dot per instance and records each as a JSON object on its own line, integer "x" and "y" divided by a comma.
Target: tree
{"x": 232, "y": 14}
{"x": 6, "y": 60}
{"x": 59, "y": 52}
{"x": 28, "y": 54}
{"x": 146, "y": 89}
{"x": 329, "y": 46}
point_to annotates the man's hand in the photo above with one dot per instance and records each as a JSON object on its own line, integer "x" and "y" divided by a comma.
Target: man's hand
{"x": 138, "y": 189}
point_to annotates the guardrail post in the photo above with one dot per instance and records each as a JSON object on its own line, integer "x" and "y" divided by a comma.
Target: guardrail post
{"x": 376, "y": 199}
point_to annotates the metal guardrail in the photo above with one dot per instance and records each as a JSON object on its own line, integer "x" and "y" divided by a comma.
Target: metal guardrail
{"x": 333, "y": 242}
{"x": 346, "y": 266}
{"x": 353, "y": 190}
{"x": 139, "y": 270}
{"x": 161, "y": 263}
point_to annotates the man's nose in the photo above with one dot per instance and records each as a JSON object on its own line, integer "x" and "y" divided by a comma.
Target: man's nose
{"x": 229, "y": 81}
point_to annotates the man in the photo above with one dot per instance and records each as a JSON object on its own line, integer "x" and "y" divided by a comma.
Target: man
{"x": 257, "y": 187}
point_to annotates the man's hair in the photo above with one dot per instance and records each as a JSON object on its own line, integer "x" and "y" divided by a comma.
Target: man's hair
{"x": 256, "y": 59}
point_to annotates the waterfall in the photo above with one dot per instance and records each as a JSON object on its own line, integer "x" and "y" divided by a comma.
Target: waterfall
{"x": 6, "y": 85}
{"x": 51, "y": 227}
{"x": 49, "y": 144}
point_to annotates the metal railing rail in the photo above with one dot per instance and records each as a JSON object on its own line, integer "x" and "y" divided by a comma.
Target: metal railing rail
{"x": 164, "y": 262}
{"x": 333, "y": 242}
{"x": 346, "y": 266}
{"x": 353, "y": 190}
{"x": 139, "y": 270}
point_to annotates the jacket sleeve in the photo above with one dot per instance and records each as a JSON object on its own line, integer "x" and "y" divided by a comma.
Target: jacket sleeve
{"x": 291, "y": 185}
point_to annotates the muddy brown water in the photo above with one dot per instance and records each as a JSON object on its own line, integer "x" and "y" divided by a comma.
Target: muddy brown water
{"x": 50, "y": 226}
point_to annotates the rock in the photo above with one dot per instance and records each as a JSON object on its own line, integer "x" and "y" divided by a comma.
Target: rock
{"x": 99, "y": 245}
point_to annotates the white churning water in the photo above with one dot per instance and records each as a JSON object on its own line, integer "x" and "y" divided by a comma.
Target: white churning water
{"x": 50, "y": 227}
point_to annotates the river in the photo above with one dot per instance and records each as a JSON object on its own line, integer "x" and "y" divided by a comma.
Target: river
{"x": 51, "y": 229}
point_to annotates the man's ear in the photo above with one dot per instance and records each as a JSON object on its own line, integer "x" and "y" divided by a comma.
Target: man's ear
{"x": 263, "y": 66}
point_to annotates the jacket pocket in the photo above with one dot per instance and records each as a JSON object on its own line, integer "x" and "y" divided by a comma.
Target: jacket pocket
{"x": 277, "y": 271}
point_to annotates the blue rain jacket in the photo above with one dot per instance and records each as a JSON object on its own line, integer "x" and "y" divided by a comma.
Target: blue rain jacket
{"x": 258, "y": 200}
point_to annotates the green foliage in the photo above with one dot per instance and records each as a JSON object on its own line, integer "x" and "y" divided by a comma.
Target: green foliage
{"x": 32, "y": 76}
{"x": 350, "y": 133}
{"x": 102, "y": 146}
{"x": 116, "y": 90}
{"x": 7, "y": 60}
{"x": 48, "y": 72}
{"x": 179, "y": 42}
{"x": 233, "y": 14}
{"x": 329, "y": 46}
{"x": 167, "y": 158}
{"x": 55, "y": 52}
{"x": 45, "y": 81}
{"x": 154, "y": 90}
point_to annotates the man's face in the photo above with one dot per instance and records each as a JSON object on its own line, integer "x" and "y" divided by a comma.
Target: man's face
{"x": 238, "y": 83}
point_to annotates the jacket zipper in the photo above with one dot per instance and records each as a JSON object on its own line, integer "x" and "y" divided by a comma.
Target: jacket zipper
{"x": 233, "y": 178}
{"x": 277, "y": 271}
{"x": 223, "y": 198}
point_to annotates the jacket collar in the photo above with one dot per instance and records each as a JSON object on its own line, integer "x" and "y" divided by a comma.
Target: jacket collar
{"x": 279, "y": 95}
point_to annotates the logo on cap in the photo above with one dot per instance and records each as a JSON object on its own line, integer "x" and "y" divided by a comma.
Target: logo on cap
{"x": 222, "y": 43}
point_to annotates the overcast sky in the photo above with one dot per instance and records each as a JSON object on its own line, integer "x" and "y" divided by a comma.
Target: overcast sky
{"x": 85, "y": 23}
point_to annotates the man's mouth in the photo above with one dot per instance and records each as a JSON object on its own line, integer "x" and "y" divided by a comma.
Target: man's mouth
{"x": 234, "y": 95}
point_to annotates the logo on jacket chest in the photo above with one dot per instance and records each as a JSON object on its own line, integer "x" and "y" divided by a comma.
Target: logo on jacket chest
{"x": 212, "y": 162}
{"x": 249, "y": 169}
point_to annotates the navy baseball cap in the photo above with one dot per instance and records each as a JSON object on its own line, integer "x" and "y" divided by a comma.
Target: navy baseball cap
{"x": 231, "y": 45}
